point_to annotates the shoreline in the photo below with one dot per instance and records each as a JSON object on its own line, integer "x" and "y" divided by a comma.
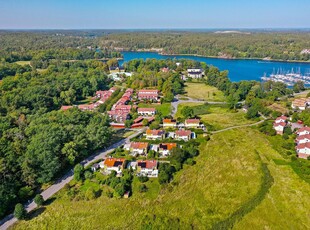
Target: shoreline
{"x": 216, "y": 57}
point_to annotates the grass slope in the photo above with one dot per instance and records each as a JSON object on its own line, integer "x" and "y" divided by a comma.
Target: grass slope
{"x": 228, "y": 176}
{"x": 203, "y": 91}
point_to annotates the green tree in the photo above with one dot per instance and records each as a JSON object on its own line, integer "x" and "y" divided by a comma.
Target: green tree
{"x": 78, "y": 172}
{"x": 38, "y": 199}
{"x": 187, "y": 112}
{"x": 20, "y": 212}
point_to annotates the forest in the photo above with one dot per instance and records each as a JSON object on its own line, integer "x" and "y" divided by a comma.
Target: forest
{"x": 37, "y": 140}
{"x": 274, "y": 45}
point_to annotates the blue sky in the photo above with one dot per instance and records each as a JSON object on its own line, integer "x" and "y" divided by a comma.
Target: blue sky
{"x": 132, "y": 14}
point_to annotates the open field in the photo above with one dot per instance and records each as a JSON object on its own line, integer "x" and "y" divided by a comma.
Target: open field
{"x": 204, "y": 92}
{"x": 182, "y": 105}
{"x": 227, "y": 175}
{"x": 164, "y": 108}
{"x": 23, "y": 63}
{"x": 221, "y": 117}
{"x": 280, "y": 107}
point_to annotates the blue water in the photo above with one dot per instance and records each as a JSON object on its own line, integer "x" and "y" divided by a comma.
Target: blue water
{"x": 238, "y": 69}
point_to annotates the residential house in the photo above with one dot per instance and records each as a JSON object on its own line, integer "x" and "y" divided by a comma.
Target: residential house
{"x": 139, "y": 148}
{"x": 279, "y": 124}
{"x": 281, "y": 119}
{"x": 146, "y": 111}
{"x": 66, "y": 107}
{"x": 169, "y": 123}
{"x": 279, "y": 127}
{"x": 300, "y": 103}
{"x": 303, "y": 150}
{"x": 155, "y": 134}
{"x": 165, "y": 148}
{"x": 303, "y": 131}
{"x": 192, "y": 123}
{"x": 303, "y": 139}
{"x": 165, "y": 70}
{"x": 194, "y": 73}
{"x": 147, "y": 168}
{"x": 184, "y": 135}
{"x": 118, "y": 116}
{"x": 113, "y": 164}
{"x": 148, "y": 94}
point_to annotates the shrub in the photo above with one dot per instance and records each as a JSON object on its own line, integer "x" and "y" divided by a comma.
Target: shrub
{"x": 20, "y": 212}
{"x": 143, "y": 188}
{"x": 38, "y": 199}
{"x": 143, "y": 179}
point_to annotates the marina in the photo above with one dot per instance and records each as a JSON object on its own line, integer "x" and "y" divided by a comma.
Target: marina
{"x": 288, "y": 77}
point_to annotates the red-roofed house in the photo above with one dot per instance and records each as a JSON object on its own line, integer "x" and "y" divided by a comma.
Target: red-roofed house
{"x": 303, "y": 139}
{"x": 184, "y": 135}
{"x": 279, "y": 127}
{"x": 303, "y": 131}
{"x": 118, "y": 116}
{"x": 192, "y": 123}
{"x": 155, "y": 134}
{"x": 169, "y": 123}
{"x": 146, "y": 111}
{"x": 113, "y": 164}
{"x": 139, "y": 148}
{"x": 66, "y": 107}
{"x": 165, "y": 148}
{"x": 281, "y": 119}
{"x": 303, "y": 150}
{"x": 148, "y": 94}
{"x": 147, "y": 168}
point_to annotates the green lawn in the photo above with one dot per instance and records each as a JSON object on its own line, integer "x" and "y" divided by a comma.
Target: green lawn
{"x": 164, "y": 108}
{"x": 182, "y": 105}
{"x": 221, "y": 117}
{"x": 203, "y": 91}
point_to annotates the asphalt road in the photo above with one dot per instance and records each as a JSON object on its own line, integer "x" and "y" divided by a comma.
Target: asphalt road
{"x": 59, "y": 184}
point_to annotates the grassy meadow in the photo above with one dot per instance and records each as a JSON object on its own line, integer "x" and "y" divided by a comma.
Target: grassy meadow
{"x": 226, "y": 176}
{"x": 203, "y": 92}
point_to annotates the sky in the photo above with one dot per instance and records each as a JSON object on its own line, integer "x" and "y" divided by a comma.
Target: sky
{"x": 153, "y": 14}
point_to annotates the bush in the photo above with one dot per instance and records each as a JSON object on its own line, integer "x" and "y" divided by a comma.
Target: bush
{"x": 143, "y": 179}
{"x": 20, "y": 212}
{"x": 143, "y": 188}
{"x": 90, "y": 194}
{"x": 88, "y": 175}
{"x": 38, "y": 199}
{"x": 109, "y": 194}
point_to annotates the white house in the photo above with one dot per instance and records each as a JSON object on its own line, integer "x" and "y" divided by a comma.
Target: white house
{"x": 169, "y": 123}
{"x": 192, "y": 123}
{"x": 281, "y": 119}
{"x": 303, "y": 131}
{"x": 146, "y": 111}
{"x": 155, "y": 134}
{"x": 303, "y": 139}
{"x": 139, "y": 148}
{"x": 184, "y": 135}
{"x": 165, "y": 148}
{"x": 303, "y": 150}
{"x": 194, "y": 73}
{"x": 147, "y": 168}
{"x": 300, "y": 103}
{"x": 279, "y": 127}
{"x": 113, "y": 164}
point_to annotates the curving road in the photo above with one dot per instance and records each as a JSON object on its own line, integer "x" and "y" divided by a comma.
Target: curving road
{"x": 59, "y": 184}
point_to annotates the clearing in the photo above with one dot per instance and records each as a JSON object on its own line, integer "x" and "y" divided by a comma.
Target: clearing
{"x": 203, "y": 92}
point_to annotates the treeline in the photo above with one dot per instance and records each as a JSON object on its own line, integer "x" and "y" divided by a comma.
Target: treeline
{"x": 281, "y": 46}
{"x": 37, "y": 143}
{"x": 254, "y": 93}
{"x": 42, "y": 47}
